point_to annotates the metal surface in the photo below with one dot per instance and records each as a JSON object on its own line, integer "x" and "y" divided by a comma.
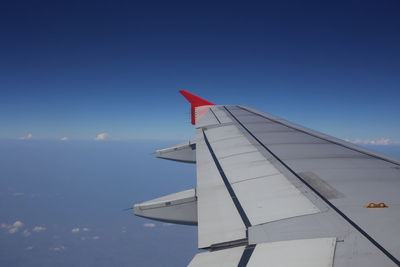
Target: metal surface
{"x": 266, "y": 195}
{"x": 185, "y": 152}
{"x": 270, "y": 192}
{"x": 360, "y": 176}
{"x": 219, "y": 220}
{"x": 221, "y": 258}
{"x": 204, "y": 117}
{"x": 179, "y": 208}
{"x": 295, "y": 253}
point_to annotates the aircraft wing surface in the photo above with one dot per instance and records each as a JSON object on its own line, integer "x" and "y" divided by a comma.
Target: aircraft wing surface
{"x": 273, "y": 193}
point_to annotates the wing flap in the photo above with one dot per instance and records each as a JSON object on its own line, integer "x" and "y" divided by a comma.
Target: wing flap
{"x": 220, "y": 258}
{"x": 294, "y": 253}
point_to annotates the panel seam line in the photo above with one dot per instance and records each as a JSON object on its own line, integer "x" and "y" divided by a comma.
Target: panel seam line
{"x": 228, "y": 186}
{"x": 215, "y": 115}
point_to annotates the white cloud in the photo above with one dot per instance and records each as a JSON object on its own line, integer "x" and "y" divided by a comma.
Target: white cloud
{"x": 75, "y": 230}
{"x": 29, "y": 136}
{"x": 101, "y": 136}
{"x": 64, "y": 138}
{"x": 38, "y": 228}
{"x": 85, "y": 229}
{"x": 29, "y": 248}
{"x": 15, "y": 227}
{"x": 12, "y": 230}
{"x": 96, "y": 237}
{"x": 27, "y": 233}
{"x": 18, "y": 224}
{"x": 150, "y": 225}
{"x": 381, "y": 141}
{"x": 60, "y": 248}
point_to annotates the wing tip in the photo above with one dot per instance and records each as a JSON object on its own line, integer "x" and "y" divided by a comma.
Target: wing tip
{"x": 195, "y": 101}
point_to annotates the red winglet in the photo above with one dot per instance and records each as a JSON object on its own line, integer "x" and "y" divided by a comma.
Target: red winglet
{"x": 195, "y": 101}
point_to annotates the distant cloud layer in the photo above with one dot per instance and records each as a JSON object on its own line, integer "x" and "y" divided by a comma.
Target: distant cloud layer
{"x": 27, "y": 233}
{"x": 150, "y": 225}
{"x": 13, "y": 228}
{"x": 77, "y": 229}
{"x": 29, "y": 136}
{"x": 381, "y": 141}
{"x": 64, "y": 138}
{"x": 18, "y": 225}
{"x": 38, "y": 228}
{"x": 60, "y": 248}
{"x": 101, "y": 136}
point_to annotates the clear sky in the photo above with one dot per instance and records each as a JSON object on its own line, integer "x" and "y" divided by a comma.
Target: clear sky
{"x": 76, "y": 69}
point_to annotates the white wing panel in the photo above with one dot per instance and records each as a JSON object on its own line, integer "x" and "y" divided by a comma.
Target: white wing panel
{"x": 264, "y": 193}
{"x": 218, "y": 219}
{"x": 295, "y": 253}
{"x": 272, "y": 198}
{"x": 223, "y": 133}
{"x": 232, "y": 146}
{"x": 228, "y": 141}
{"x": 247, "y": 166}
{"x": 204, "y": 117}
{"x": 221, "y": 115}
{"x": 220, "y": 258}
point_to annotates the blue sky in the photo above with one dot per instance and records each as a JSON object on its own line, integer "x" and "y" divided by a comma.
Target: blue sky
{"x": 76, "y": 69}
{"x": 111, "y": 70}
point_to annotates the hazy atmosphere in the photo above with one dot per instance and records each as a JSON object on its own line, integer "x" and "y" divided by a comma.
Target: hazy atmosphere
{"x": 62, "y": 205}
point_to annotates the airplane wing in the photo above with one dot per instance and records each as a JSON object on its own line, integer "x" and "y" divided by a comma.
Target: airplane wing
{"x": 273, "y": 193}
